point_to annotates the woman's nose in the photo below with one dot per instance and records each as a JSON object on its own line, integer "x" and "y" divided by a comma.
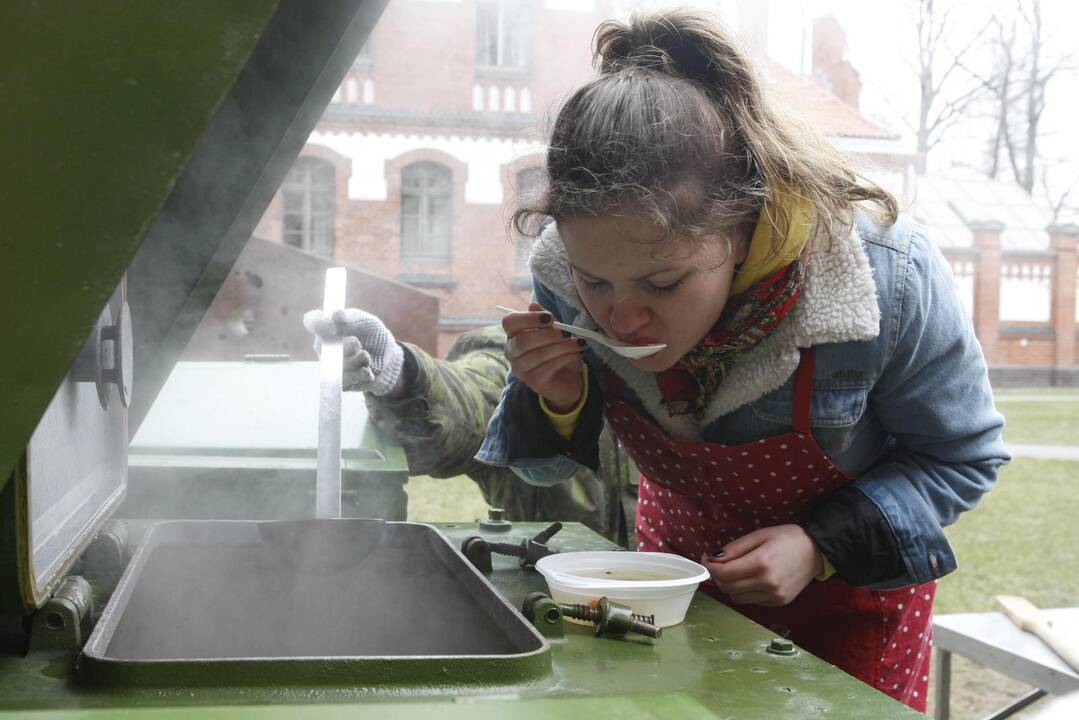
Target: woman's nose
{"x": 627, "y": 317}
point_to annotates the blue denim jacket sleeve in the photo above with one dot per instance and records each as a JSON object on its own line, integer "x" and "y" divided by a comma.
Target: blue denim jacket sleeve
{"x": 539, "y": 471}
{"x": 933, "y": 397}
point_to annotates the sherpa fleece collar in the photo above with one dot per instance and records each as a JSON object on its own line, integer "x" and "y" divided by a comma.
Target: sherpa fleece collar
{"x": 838, "y": 304}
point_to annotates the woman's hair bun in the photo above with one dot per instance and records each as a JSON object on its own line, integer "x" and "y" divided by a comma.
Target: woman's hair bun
{"x": 684, "y": 43}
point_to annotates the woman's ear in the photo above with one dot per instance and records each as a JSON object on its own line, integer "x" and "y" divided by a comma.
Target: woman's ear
{"x": 741, "y": 250}
{"x": 740, "y": 242}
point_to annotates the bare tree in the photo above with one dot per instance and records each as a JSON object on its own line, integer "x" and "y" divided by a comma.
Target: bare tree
{"x": 1018, "y": 83}
{"x": 1001, "y": 87}
{"x": 946, "y": 88}
{"x": 1038, "y": 77}
{"x": 1062, "y": 203}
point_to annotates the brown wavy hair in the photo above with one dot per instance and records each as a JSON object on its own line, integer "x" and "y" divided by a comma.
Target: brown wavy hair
{"x": 678, "y": 129}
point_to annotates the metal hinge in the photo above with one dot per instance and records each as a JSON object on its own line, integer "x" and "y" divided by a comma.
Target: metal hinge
{"x": 63, "y": 622}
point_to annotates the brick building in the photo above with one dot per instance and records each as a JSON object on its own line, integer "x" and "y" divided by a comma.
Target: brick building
{"x": 416, "y": 182}
{"x": 1015, "y": 273}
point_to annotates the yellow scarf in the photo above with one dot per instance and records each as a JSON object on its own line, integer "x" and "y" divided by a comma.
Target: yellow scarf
{"x": 767, "y": 256}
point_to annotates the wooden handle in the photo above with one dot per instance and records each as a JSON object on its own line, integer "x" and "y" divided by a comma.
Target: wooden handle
{"x": 1023, "y": 613}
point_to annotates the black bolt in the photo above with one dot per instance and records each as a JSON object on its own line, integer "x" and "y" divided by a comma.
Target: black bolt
{"x": 781, "y": 646}
{"x": 507, "y": 549}
{"x": 530, "y": 550}
{"x": 549, "y": 533}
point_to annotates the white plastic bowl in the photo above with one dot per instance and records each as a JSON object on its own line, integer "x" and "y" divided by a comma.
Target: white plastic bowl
{"x": 651, "y": 583}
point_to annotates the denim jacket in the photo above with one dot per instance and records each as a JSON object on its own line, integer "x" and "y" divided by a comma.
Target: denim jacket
{"x": 901, "y": 397}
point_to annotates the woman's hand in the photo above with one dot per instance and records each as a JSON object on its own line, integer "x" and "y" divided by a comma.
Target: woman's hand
{"x": 769, "y": 566}
{"x": 545, "y": 358}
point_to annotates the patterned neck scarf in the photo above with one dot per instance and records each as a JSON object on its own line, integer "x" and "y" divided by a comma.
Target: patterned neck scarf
{"x": 764, "y": 291}
{"x": 745, "y": 321}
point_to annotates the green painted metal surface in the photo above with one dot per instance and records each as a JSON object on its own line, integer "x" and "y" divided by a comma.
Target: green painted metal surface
{"x": 661, "y": 707}
{"x": 104, "y": 103}
{"x": 714, "y": 664}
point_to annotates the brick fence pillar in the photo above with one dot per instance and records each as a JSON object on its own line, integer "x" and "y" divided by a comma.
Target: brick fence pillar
{"x": 1063, "y": 239}
{"x": 987, "y": 286}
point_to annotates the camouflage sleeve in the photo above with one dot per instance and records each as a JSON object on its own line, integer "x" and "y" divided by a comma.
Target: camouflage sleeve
{"x": 441, "y": 422}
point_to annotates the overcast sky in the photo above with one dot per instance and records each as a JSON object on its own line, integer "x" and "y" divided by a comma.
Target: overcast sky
{"x": 880, "y": 33}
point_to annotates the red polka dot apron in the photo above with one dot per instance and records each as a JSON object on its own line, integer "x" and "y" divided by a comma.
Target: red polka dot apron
{"x": 695, "y": 497}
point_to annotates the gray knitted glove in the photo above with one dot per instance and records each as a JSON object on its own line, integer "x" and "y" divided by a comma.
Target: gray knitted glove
{"x": 373, "y": 359}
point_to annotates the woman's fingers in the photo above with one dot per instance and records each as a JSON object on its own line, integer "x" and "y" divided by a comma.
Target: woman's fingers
{"x": 745, "y": 544}
{"x": 755, "y": 584}
{"x": 545, "y": 358}
{"x": 557, "y": 377}
{"x": 726, "y": 573}
{"x": 545, "y": 373}
{"x": 775, "y": 564}
{"x": 535, "y": 319}
{"x": 540, "y": 356}
{"x": 525, "y": 341}
{"x": 742, "y": 566}
{"x": 533, "y": 346}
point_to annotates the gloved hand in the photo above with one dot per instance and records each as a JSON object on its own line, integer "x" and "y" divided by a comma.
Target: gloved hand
{"x": 373, "y": 359}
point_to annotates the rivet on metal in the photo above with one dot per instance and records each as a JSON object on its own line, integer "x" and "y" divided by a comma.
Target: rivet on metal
{"x": 781, "y": 646}
{"x": 496, "y": 521}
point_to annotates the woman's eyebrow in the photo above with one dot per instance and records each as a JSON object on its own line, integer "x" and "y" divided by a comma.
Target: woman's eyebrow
{"x": 646, "y": 276}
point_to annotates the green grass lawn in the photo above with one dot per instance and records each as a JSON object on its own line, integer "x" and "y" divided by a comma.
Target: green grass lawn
{"x": 1023, "y": 539}
{"x": 1055, "y": 392}
{"x": 1040, "y": 423}
{"x": 444, "y": 500}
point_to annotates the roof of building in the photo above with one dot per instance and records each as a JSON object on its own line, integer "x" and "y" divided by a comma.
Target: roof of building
{"x": 947, "y": 203}
{"x": 821, "y": 108}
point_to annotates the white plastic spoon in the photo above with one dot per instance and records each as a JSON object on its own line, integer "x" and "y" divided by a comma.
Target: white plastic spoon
{"x": 623, "y": 349}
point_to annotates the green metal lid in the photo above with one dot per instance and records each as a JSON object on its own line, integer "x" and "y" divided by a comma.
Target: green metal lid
{"x": 148, "y": 141}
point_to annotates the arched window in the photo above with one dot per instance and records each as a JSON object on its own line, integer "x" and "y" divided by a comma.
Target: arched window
{"x": 426, "y": 211}
{"x": 308, "y": 201}
{"x": 529, "y": 184}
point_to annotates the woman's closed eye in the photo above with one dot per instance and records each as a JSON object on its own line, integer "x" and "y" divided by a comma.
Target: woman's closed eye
{"x": 656, "y": 287}
{"x": 665, "y": 289}
{"x": 592, "y": 283}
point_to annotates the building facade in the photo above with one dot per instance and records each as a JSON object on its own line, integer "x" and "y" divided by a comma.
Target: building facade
{"x": 416, "y": 183}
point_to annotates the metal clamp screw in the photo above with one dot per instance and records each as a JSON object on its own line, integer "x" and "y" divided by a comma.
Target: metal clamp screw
{"x": 528, "y": 552}
{"x": 612, "y": 619}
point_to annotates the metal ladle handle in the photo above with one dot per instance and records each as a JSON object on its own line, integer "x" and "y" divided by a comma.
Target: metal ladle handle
{"x": 331, "y": 368}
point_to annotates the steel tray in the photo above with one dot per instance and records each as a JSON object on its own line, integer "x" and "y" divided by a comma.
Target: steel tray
{"x": 306, "y": 602}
